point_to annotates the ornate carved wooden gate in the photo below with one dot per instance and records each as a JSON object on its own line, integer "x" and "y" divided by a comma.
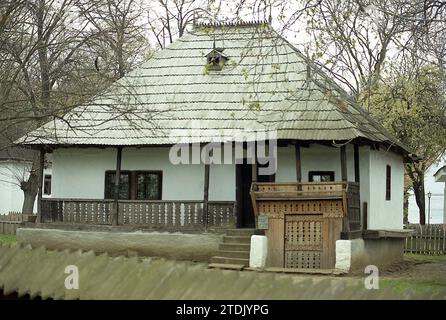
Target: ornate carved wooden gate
{"x": 304, "y": 220}
{"x": 304, "y": 241}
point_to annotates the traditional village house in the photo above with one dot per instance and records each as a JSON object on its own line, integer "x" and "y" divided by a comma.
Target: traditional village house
{"x": 335, "y": 199}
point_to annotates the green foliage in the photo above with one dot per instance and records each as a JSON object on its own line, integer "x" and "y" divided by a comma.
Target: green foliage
{"x": 7, "y": 239}
{"x": 412, "y": 106}
{"x": 207, "y": 67}
{"x": 255, "y": 106}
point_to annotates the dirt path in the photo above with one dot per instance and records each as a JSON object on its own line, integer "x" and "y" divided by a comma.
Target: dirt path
{"x": 419, "y": 269}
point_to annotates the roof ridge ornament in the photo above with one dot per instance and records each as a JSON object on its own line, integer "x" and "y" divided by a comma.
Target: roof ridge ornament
{"x": 215, "y": 59}
{"x": 240, "y": 23}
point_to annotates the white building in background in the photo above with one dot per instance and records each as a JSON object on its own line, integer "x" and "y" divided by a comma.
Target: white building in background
{"x": 440, "y": 176}
{"x": 14, "y": 169}
{"x": 436, "y": 201}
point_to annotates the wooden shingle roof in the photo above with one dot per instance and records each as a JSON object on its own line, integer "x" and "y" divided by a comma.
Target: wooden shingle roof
{"x": 266, "y": 84}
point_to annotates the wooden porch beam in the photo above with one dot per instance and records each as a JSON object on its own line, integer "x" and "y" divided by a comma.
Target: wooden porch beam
{"x": 117, "y": 183}
{"x": 356, "y": 160}
{"x": 343, "y": 164}
{"x": 206, "y": 194}
{"x": 40, "y": 185}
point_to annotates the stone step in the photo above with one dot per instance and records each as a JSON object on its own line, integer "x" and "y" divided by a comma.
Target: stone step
{"x": 224, "y": 260}
{"x": 237, "y": 239}
{"x": 234, "y": 247}
{"x": 240, "y": 232}
{"x": 233, "y": 254}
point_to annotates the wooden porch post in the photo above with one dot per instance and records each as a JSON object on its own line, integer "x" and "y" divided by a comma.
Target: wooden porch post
{"x": 345, "y": 220}
{"x": 206, "y": 195}
{"x": 343, "y": 164}
{"x": 298, "y": 163}
{"x": 356, "y": 159}
{"x": 254, "y": 171}
{"x": 298, "y": 166}
{"x": 117, "y": 183}
{"x": 40, "y": 186}
{"x": 364, "y": 216}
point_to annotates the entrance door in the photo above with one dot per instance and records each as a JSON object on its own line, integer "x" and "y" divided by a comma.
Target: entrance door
{"x": 245, "y": 218}
{"x": 304, "y": 241}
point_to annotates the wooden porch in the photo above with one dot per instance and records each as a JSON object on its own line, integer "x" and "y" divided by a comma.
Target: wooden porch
{"x": 155, "y": 214}
{"x": 199, "y": 214}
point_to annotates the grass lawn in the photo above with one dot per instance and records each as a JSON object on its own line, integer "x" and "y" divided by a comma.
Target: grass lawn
{"x": 426, "y": 274}
{"x": 401, "y": 285}
{"x": 7, "y": 239}
{"x": 424, "y": 258}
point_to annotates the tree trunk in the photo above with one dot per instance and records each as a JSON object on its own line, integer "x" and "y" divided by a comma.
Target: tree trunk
{"x": 28, "y": 202}
{"x": 43, "y": 58}
{"x": 30, "y": 189}
{"x": 418, "y": 189}
{"x": 406, "y": 207}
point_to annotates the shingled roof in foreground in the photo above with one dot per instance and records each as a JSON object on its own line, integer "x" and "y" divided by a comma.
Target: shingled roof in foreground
{"x": 266, "y": 84}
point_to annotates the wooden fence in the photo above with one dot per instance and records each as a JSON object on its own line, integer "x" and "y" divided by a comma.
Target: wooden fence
{"x": 427, "y": 239}
{"x": 10, "y": 222}
{"x": 156, "y": 213}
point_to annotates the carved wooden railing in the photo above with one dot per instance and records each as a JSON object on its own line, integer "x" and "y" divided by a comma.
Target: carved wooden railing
{"x": 298, "y": 190}
{"x": 85, "y": 211}
{"x": 156, "y": 213}
{"x": 172, "y": 214}
{"x": 221, "y": 214}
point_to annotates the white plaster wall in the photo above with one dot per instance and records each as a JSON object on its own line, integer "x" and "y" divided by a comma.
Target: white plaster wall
{"x": 80, "y": 173}
{"x": 11, "y": 196}
{"x": 364, "y": 174}
{"x": 385, "y": 214}
{"x": 315, "y": 158}
{"x": 221, "y": 182}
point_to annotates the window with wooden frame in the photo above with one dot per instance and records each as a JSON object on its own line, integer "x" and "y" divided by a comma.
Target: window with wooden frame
{"x": 124, "y": 185}
{"x": 47, "y": 185}
{"x": 388, "y": 182}
{"x": 321, "y": 176}
{"x": 134, "y": 185}
{"x": 148, "y": 185}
